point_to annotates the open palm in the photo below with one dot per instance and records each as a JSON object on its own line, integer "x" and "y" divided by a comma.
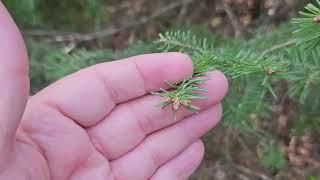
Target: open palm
{"x": 99, "y": 123}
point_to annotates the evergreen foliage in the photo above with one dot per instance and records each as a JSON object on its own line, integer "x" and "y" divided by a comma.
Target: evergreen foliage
{"x": 72, "y": 14}
{"x": 308, "y": 32}
{"x": 297, "y": 63}
{"x": 49, "y": 63}
{"x": 272, "y": 158}
{"x": 24, "y": 11}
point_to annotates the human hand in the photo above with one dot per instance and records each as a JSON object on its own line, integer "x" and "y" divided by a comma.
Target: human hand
{"x": 99, "y": 123}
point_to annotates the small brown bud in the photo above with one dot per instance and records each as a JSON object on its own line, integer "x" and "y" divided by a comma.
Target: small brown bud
{"x": 271, "y": 71}
{"x": 176, "y": 104}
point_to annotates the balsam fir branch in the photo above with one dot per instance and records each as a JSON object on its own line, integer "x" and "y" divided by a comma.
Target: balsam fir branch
{"x": 304, "y": 76}
{"x": 205, "y": 59}
{"x": 182, "y": 94}
{"x": 308, "y": 32}
{"x": 182, "y": 41}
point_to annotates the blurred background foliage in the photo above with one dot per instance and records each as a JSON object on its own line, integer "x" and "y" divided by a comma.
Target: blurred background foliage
{"x": 67, "y": 15}
{"x": 261, "y": 138}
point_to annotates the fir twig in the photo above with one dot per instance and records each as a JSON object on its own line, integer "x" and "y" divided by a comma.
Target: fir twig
{"x": 308, "y": 32}
{"x": 279, "y": 46}
{"x": 205, "y": 59}
{"x": 182, "y": 94}
{"x": 236, "y": 24}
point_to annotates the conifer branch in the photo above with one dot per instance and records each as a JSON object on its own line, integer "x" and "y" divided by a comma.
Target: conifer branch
{"x": 305, "y": 73}
{"x": 182, "y": 41}
{"x": 279, "y": 46}
{"x": 308, "y": 32}
{"x": 205, "y": 59}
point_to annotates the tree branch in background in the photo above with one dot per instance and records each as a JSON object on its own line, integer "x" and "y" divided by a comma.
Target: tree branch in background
{"x": 59, "y": 36}
{"x": 236, "y": 24}
{"x": 251, "y": 172}
{"x": 279, "y": 46}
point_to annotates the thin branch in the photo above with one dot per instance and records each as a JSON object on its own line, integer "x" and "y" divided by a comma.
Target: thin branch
{"x": 280, "y": 9}
{"x": 183, "y": 11}
{"x": 279, "y": 46}
{"x": 236, "y": 24}
{"x": 120, "y": 7}
{"x": 239, "y": 167}
{"x": 83, "y": 37}
{"x": 251, "y": 172}
{"x": 243, "y": 177}
{"x": 180, "y": 44}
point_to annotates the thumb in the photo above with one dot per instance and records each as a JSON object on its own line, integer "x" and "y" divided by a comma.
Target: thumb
{"x": 14, "y": 87}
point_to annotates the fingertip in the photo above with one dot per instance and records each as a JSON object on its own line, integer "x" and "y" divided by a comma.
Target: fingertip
{"x": 183, "y": 165}
{"x": 222, "y": 80}
{"x": 159, "y": 67}
{"x": 198, "y": 147}
{"x": 213, "y": 115}
{"x": 195, "y": 152}
{"x": 218, "y": 85}
{"x": 182, "y": 62}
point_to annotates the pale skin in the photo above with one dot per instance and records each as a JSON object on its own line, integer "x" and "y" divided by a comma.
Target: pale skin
{"x": 100, "y": 123}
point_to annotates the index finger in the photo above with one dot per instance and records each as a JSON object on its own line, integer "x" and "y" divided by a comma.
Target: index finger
{"x": 90, "y": 94}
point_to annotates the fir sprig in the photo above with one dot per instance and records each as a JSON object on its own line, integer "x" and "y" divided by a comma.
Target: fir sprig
{"x": 182, "y": 94}
{"x": 304, "y": 75}
{"x": 272, "y": 157}
{"x": 205, "y": 58}
{"x": 182, "y": 42}
{"x": 239, "y": 107}
{"x": 308, "y": 32}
